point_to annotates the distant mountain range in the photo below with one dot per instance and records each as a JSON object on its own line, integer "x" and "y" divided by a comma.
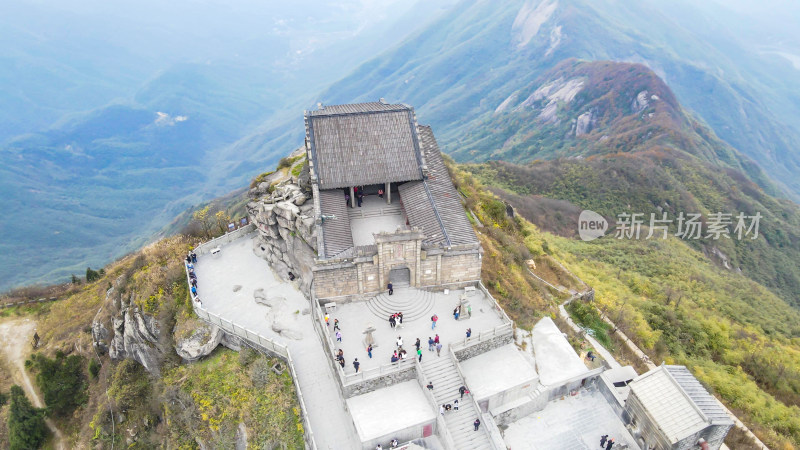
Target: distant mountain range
{"x": 96, "y": 184}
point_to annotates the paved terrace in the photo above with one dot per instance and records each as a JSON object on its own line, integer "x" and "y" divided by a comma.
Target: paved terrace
{"x": 227, "y": 281}
{"x": 571, "y": 423}
{"x": 236, "y": 265}
{"x": 417, "y": 307}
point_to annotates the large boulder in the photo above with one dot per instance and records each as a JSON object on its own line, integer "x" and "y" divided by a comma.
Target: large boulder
{"x": 201, "y": 343}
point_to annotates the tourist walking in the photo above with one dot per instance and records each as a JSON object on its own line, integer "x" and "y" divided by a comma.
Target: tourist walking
{"x": 457, "y": 311}
{"x": 417, "y": 344}
{"x": 399, "y": 342}
{"x": 338, "y": 336}
{"x": 400, "y": 317}
{"x": 194, "y": 257}
{"x": 419, "y": 353}
{"x": 369, "y": 351}
{"x": 327, "y": 320}
{"x": 603, "y": 439}
{"x": 439, "y": 349}
{"x": 335, "y": 324}
{"x": 441, "y": 410}
{"x": 462, "y": 390}
{"x": 380, "y": 193}
{"x": 469, "y": 332}
{"x": 392, "y": 323}
{"x": 429, "y": 386}
{"x": 430, "y": 344}
{"x": 455, "y": 405}
{"x": 356, "y": 364}
{"x": 347, "y": 199}
{"x": 434, "y": 318}
{"x": 394, "y": 443}
{"x": 391, "y": 289}
{"x": 477, "y": 424}
{"x": 609, "y": 444}
{"x": 436, "y": 339}
{"x": 360, "y": 198}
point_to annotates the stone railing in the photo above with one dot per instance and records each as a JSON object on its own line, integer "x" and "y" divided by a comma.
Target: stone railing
{"x": 256, "y": 340}
{"x": 497, "y": 308}
{"x": 483, "y": 341}
{"x": 226, "y": 238}
{"x": 441, "y": 425}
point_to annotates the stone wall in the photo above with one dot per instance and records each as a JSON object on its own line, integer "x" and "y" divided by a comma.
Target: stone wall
{"x": 429, "y": 270}
{"x": 381, "y": 381}
{"x": 335, "y": 282}
{"x": 461, "y": 267}
{"x": 472, "y": 350}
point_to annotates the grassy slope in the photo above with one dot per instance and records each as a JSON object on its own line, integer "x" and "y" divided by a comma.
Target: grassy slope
{"x": 737, "y": 337}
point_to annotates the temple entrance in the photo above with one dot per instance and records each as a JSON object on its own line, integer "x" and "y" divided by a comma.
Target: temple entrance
{"x": 400, "y": 276}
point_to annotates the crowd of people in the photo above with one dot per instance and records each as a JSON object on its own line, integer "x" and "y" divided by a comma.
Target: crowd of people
{"x": 191, "y": 260}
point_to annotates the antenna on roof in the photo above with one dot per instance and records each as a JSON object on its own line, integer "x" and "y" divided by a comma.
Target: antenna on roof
{"x": 320, "y": 105}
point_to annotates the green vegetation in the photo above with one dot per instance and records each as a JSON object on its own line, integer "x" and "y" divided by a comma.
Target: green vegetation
{"x": 224, "y": 390}
{"x": 94, "y": 368}
{"x": 26, "y": 427}
{"x": 587, "y": 316}
{"x": 61, "y": 381}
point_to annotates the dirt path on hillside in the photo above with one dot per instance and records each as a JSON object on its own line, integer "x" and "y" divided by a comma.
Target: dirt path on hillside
{"x": 15, "y": 344}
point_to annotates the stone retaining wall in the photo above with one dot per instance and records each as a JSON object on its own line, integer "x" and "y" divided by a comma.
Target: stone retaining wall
{"x": 379, "y": 382}
{"x": 472, "y": 350}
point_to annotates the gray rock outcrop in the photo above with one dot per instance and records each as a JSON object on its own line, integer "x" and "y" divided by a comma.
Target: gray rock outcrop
{"x": 287, "y": 232}
{"x": 584, "y": 124}
{"x": 136, "y": 337}
{"x": 201, "y": 343}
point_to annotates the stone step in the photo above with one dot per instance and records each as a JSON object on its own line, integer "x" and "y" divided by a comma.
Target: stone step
{"x": 441, "y": 371}
{"x": 413, "y": 303}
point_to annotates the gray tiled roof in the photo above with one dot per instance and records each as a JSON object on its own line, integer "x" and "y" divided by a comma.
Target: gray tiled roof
{"x": 335, "y": 232}
{"x": 434, "y": 204}
{"x": 667, "y": 403}
{"x": 361, "y": 144}
{"x": 707, "y": 403}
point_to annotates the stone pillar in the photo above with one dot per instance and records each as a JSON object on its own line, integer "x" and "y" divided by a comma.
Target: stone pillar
{"x": 439, "y": 269}
{"x": 388, "y": 193}
{"x": 418, "y": 262}
{"x": 381, "y": 284}
{"x": 360, "y": 270}
{"x": 352, "y": 197}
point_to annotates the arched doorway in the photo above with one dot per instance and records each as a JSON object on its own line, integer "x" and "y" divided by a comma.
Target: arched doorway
{"x": 400, "y": 276}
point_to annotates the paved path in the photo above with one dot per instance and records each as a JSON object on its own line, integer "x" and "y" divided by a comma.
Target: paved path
{"x": 16, "y": 336}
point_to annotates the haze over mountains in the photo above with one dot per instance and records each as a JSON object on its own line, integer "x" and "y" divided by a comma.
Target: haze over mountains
{"x": 89, "y": 168}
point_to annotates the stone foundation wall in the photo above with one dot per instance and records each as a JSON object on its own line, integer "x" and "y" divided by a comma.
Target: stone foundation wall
{"x": 428, "y": 269}
{"x": 462, "y": 267}
{"x": 473, "y": 350}
{"x": 336, "y": 282}
{"x": 370, "y": 280}
{"x": 389, "y": 379}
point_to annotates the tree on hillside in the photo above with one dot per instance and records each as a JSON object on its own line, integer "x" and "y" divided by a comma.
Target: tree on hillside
{"x": 26, "y": 428}
{"x": 62, "y": 382}
{"x": 202, "y": 217}
{"x": 223, "y": 219}
{"x": 92, "y": 275}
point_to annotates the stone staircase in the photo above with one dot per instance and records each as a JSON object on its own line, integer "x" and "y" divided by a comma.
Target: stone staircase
{"x": 441, "y": 371}
{"x": 413, "y": 303}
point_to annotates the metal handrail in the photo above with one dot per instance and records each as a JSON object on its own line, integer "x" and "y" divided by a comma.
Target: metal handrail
{"x": 472, "y": 397}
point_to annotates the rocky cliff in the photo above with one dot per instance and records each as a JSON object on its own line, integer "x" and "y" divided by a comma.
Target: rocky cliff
{"x": 287, "y": 229}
